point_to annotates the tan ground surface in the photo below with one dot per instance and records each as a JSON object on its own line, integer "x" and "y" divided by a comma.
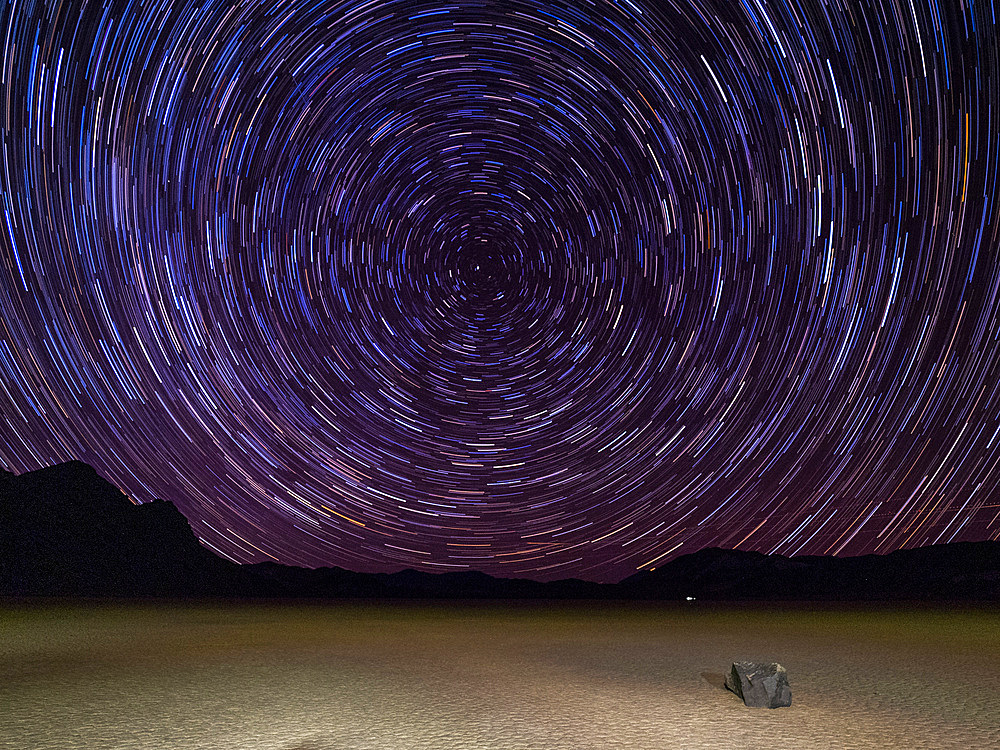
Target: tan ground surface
{"x": 352, "y": 678}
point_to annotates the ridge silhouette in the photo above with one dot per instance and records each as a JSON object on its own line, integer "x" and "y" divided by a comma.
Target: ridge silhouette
{"x": 67, "y": 532}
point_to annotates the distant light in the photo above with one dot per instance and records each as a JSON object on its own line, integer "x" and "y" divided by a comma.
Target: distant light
{"x": 690, "y": 598}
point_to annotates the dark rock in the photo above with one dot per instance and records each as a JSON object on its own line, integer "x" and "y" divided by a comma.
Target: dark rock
{"x": 760, "y": 684}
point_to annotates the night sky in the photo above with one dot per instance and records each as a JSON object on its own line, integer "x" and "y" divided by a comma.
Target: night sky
{"x": 538, "y": 289}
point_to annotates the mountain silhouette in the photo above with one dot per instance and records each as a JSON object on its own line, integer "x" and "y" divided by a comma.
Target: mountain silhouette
{"x": 67, "y": 532}
{"x": 958, "y": 571}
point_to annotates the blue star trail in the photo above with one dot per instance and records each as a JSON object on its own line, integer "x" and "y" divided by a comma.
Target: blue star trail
{"x": 538, "y": 289}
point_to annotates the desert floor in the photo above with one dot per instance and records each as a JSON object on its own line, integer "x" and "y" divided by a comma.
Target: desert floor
{"x": 350, "y": 677}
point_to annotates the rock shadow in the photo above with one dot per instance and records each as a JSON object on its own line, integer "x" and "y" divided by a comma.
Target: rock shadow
{"x": 715, "y": 679}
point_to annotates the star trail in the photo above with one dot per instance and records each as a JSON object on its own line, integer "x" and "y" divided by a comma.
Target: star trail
{"x": 537, "y": 289}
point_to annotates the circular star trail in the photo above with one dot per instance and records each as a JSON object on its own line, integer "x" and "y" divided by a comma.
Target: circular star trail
{"x": 537, "y": 289}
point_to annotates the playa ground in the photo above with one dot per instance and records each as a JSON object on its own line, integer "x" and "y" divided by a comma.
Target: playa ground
{"x": 382, "y": 677}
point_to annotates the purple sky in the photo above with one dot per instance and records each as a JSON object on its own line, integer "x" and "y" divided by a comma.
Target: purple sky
{"x": 538, "y": 289}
